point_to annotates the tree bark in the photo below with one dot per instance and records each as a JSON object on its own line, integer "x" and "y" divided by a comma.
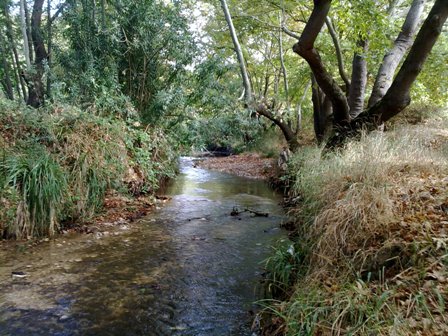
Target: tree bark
{"x": 26, "y": 49}
{"x": 16, "y": 61}
{"x": 239, "y": 52}
{"x": 35, "y": 84}
{"x": 398, "y": 96}
{"x": 305, "y": 48}
{"x": 357, "y": 90}
{"x": 282, "y": 64}
{"x": 393, "y": 58}
{"x": 49, "y": 46}
{"x": 28, "y": 31}
{"x": 6, "y": 82}
{"x": 339, "y": 56}
{"x": 322, "y": 111}
{"x": 290, "y": 136}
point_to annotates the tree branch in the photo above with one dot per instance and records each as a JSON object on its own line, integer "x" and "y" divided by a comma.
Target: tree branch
{"x": 58, "y": 12}
{"x": 392, "y": 59}
{"x": 337, "y": 46}
{"x": 305, "y": 48}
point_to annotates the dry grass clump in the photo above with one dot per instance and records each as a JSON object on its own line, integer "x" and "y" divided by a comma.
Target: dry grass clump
{"x": 373, "y": 220}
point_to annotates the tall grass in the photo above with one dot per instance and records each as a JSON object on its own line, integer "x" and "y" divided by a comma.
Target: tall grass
{"x": 374, "y": 251}
{"x": 57, "y": 164}
{"x": 41, "y": 185}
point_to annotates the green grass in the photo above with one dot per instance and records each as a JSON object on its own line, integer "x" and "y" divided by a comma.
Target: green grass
{"x": 57, "y": 164}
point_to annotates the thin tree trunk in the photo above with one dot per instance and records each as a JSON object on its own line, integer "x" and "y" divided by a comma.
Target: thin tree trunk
{"x": 359, "y": 81}
{"x": 6, "y": 82}
{"x": 282, "y": 64}
{"x": 28, "y": 32}
{"x": 35, "y": 84}
{"x": 392, "y": 59}
{"x": 239, "y": 52}
{"x": 16, "y": 60}
{"x": 339, "y": 56}
{"x": 26, "y": 49}
{"x": 49, "y": 47}
{"x": 289, "y": 135}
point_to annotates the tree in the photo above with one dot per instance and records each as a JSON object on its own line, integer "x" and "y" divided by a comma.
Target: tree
{"x": 34, "y": 77}
{"x": 385, "y": 104}
{"x": 261, "y": 105}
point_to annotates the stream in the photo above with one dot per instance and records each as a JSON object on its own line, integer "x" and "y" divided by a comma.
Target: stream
{"x": 188, "y": 268}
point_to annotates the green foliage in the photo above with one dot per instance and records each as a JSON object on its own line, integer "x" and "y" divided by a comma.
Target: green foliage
{"x": 283, "y": 267}
{"x": 133, "y": 54}
{"x": 40, "y": 183}
{"x": 57, "y": 165}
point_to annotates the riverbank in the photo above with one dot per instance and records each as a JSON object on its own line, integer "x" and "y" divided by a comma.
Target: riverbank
{"x": 250, "y": 165}
{"x": 371, "y": 253}
{"x": 63, "y": 169}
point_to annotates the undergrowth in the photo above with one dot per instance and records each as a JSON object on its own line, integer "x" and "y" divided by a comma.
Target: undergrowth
{"x": 57, "y": 163}
{"x": 371, "y": 228}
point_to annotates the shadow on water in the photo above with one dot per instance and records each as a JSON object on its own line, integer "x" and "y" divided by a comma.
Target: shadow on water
{"x": 187, "y": 269}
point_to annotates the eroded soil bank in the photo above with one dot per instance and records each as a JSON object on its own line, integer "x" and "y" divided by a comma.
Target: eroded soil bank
{"x": 250, "y": 165}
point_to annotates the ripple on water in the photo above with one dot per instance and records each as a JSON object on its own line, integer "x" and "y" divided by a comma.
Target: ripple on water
{"x": 188, "y": 269}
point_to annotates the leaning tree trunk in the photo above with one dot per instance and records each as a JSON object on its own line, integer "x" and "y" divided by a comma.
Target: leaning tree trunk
{"x": 36, "y": 89}
{"x": 239, "y": 53}
{"x": 305, "y": 48}
{"x": 392, "y": 59}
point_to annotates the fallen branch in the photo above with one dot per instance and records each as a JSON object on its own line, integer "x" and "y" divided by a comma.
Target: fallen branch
{"x": 236, "y": 212}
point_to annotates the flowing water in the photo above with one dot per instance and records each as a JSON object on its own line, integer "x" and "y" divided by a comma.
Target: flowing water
{"x": 188, "y": 268}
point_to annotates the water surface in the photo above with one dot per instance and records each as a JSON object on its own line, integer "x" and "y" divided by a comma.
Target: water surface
{"x": 189, "y": 268}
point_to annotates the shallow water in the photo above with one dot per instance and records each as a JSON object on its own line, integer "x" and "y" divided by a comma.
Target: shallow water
{"x": 189, "y": 268}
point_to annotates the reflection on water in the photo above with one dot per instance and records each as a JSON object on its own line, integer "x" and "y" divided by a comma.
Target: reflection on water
{"x": 187, "y": 269}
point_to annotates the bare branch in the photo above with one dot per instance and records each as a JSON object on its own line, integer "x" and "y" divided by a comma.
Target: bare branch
{"x": 337, "y": 46}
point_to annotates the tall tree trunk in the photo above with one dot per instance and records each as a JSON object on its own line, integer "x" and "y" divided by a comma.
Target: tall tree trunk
{"x": 357, "y": 90}
{"x": 239, "y": 53}
{"x": 392, "y": 59}
{"x": 305, "y": 48}
{"x": 49, "y": 46}
{"x": 282, "y": 64}
{"x": 26, "y": 49}
{"x": 28, "y": 31}
{"x": 35, "y": 84}
{"x": 16, "y": 61}
{"x": 322, "y": 111}
{"x": 6, "y": 82}
{"x": 398, "y": 95}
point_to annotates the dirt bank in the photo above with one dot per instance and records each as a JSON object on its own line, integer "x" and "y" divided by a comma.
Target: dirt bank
{"x": 248, "y": 165}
